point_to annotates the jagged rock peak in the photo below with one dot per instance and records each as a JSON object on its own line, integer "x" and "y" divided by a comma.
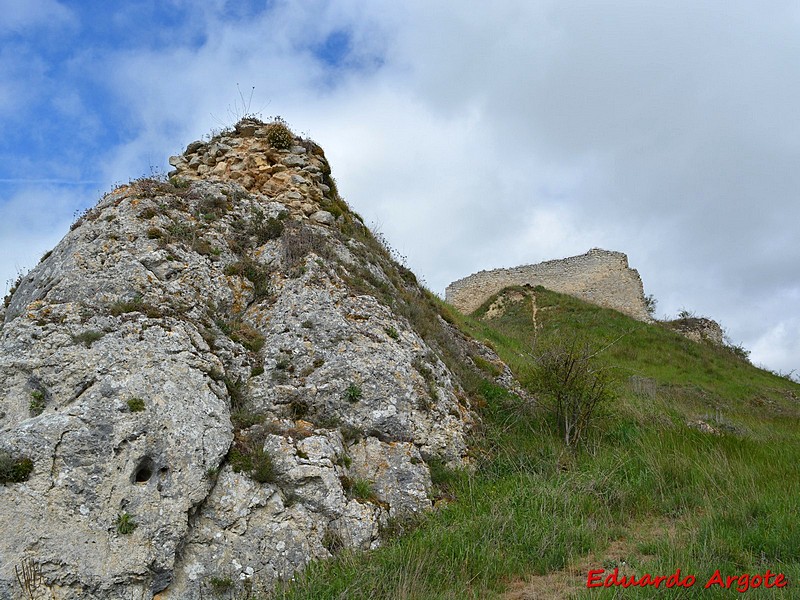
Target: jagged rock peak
{"x": 266, "y": 158}
{"x": 217, "y": 378}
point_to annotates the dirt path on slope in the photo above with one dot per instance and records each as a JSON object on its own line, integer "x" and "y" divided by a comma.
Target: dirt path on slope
{"x": 570, "y": 581}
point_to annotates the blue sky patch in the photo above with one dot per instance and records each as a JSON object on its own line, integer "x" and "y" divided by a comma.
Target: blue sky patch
{"x": 334, "y": 50}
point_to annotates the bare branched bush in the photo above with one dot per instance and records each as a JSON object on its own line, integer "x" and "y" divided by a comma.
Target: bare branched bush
{"x": 296, "y": 243}
{"x": 29, "y": 577}
{"x": 573, "y": 387}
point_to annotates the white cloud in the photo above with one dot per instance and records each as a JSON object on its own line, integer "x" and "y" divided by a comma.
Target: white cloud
{"x": 484, "y": 136}
{"x": 28, "y": 14}
{"x": 32, "y": 222}
{"x": 778, "y": 347}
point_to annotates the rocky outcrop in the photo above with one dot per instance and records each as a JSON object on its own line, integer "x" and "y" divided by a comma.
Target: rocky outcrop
{"x": 599, "y": 276}
{"x": 699, "y": 329}
{"x": 214, "y": 382}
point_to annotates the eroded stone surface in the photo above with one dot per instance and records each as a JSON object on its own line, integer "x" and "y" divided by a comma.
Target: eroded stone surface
{"x": 699, "y": 329}
{"x": 178, "y": 323}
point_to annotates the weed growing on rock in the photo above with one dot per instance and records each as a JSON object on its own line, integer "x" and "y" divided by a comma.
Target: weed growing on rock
{"x": 242, "y": 333}
{"x": 430, "y": 383}
{"x": 81, "y": 216}
{"x": 87, "y": 338}
{"x": 220, "y": 585}
{"x": 353, "y": 393}
{"x": 243, "y": 419}
{"x": 125, "y": 524}
{"x": 137, "y": 304}
{"x": 12, "y": 289}
{"x": 264, "y": 228}
{"x": 361, "y": 489}
{"x": 249, "y": 457}
{"x": 279, "y": 135}
{"x": 350, "y": 433}
{"x": 151, "y": 187}
{"x": 235, "y": 393}
{"x": 297, "y": 241}
{"x": 299, "y": 408}
{"x": 29, "y": 577}
{"x": 255, "y": 273}
{"x": 358, "y": 488}
{"x": 179, "y": 183}
{"x": 37, "y": 403}
{"x": 135, "y": 405}
{"x": 344, "y": 461}
{"x": 14, "y": 470}
{"x": 247, "y": 336}
{"x": 332, "y": 541}
{"x": 148, "y": 213}
{"x": 211, "y": 208}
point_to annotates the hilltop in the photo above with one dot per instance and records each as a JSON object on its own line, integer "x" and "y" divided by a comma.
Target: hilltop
{"x": 691, "y": 466}
{"x": 215, "y": 378}
{"x": 221, "y": 384}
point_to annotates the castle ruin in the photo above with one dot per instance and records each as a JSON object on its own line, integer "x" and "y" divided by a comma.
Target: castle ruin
{"x": 601, "y": 277}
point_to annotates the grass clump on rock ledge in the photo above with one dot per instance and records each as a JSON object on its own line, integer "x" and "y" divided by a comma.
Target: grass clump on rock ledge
{"x": 125, "y": 524}
{"x": 14, "y": 470}
{"x": 87, "y": 338}
{"x": 249, "y": 457}
{"x": 136, "y": 304}
{"x": 353, "y": 393}
{"x": 37, "y": 402}
{"x": 279, "y": 135}
{"x": 136, "y": 405}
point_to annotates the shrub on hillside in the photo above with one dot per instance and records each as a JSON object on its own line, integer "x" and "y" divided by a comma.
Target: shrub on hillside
{"x": 573, "y": 387}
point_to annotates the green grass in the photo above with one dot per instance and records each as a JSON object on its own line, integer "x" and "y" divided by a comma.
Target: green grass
{"x": 14, "y": 469}
{"x": 137, "y": 304}
{"x": 532, "y": 507}
{"x": 353, "y": 393}
{"x": 37, "y": 403}
{"x": 136, "y": 405}
{"x": 88, "y": 337}
{"x": 125, "y": 524}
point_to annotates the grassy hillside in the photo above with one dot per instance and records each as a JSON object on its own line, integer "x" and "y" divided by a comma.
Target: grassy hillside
{"x": 646, "y": 492}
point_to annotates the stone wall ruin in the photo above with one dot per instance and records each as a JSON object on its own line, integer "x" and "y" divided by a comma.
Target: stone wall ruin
{"x": 601, "y": 277}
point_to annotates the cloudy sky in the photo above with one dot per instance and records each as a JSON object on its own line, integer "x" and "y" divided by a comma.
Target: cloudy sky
{"x": 474, "y": 135}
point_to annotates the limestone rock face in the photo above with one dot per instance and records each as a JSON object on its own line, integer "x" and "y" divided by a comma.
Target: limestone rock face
{"x": 213, "y": 385}
{"x": 699, "y": 329}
